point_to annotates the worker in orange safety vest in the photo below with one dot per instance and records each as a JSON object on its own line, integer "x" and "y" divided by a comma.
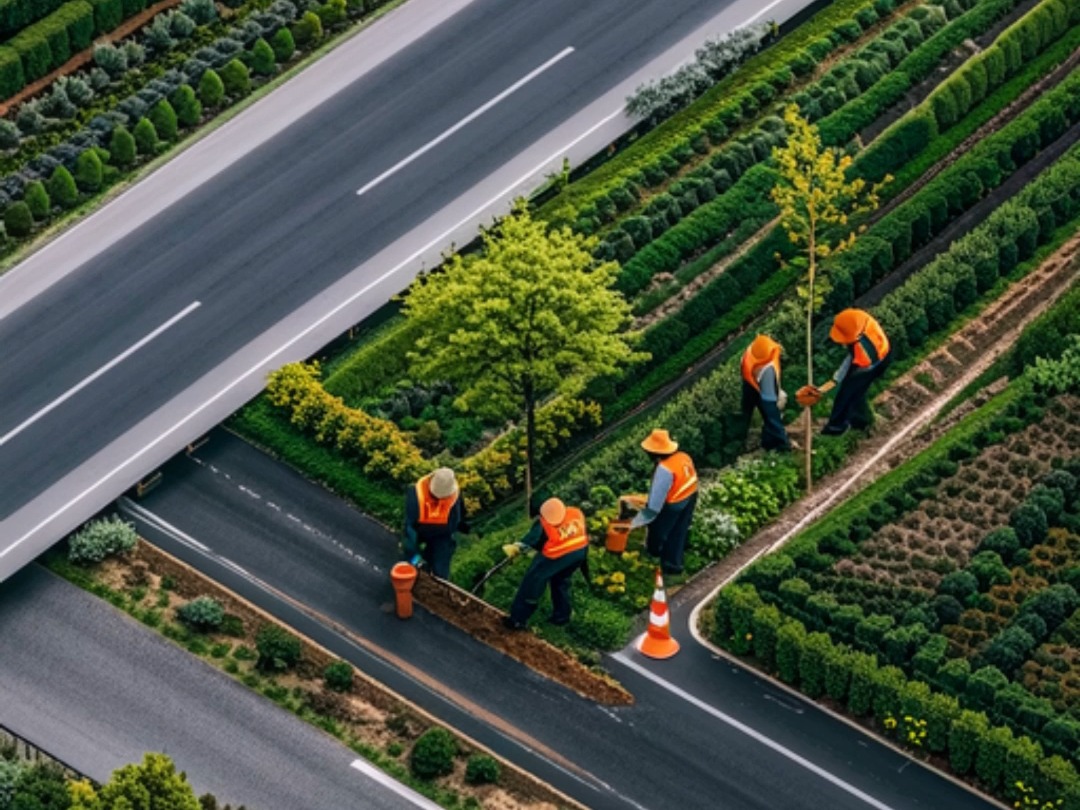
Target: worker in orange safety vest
{"x": 761, "y": 390}
{"x": 433, "y": 512}
{"x": 560, "y": 536}
{"x": 670, "y": 505}
{"x": 867, "y": 358}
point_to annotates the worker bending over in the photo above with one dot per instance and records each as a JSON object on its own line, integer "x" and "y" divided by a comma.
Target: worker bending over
{"x": 433, "y": 512}
{"x": 670, "y": 506}
{"x": 867, "y": 359}
{"x": 560, "y": 537}
{"x": 761, "y": 389}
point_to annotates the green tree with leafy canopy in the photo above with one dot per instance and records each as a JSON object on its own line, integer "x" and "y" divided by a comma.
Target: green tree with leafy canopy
{"x": 816, "y": 201}
{"x": 532, "y": 316}
{"x": 152, "y": 785}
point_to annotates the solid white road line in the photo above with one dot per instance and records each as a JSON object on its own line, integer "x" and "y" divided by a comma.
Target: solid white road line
{"x": 468, "y": 119}
{"x": 751, "y": 732}
{"x": 394, "y": 785}
{"x": 11, "y": 434}
{"x": 761, "y": 13}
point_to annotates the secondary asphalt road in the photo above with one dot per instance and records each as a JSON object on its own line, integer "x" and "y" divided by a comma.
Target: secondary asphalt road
{"x": 702, "y": 733}
{"x": 147, "y": 324}
{"x": 98, "y": 690}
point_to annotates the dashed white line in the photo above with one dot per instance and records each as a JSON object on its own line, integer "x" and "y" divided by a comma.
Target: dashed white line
{"x": 401, "y": 164}
{"x": 11, "y": 434}
{"x": 751, "y": 732}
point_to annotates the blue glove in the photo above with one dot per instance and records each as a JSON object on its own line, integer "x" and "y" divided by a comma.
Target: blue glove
{"x": 416, "y": 561}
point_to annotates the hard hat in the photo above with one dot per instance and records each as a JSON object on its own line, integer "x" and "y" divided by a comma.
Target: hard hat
{"x": 443, "y": 483}
{"x": 848, "y": 326}
{"x": 764, "y": 349}
{"x": 659, "y": 442}
{"x": 553, "y": 511}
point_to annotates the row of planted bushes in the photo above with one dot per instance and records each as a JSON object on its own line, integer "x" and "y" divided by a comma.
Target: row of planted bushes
{"x": 965, "y": 88}
{"x": 795, "y": 56}
{"x": 387, "y": 453}
{"x": 707, "y": 415}
{"x": 843, "y": 83}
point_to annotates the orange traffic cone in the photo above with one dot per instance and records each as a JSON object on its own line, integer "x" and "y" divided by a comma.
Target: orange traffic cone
{"x": 657, "y": 641}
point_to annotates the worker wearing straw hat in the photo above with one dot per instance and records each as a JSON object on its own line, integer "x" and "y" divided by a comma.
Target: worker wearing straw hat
{"x": 672, "y": 498}
{"x": 433, "y": 512}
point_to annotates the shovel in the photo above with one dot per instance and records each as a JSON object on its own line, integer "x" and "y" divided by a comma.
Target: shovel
{"x": 491, "y": 572}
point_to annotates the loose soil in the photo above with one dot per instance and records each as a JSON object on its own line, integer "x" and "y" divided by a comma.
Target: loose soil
{"x": 484, "y": 623}
{"x": 370, "y": 714}
{"x": 907, "y": 410}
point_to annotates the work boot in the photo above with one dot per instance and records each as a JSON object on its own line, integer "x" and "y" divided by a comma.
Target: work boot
{"x": 512, "y": 624}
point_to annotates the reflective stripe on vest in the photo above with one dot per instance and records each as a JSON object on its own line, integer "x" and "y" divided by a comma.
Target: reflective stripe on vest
{"x": 685, "y": 483}
{"x": 433, "y": 511}
{"x": 570, "y": 535}
{"x": 879, "y": 343}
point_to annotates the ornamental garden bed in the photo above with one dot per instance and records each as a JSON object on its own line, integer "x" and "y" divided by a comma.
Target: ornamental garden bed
{"x": 303, "y": 678}
{"x": 908, "y": 605}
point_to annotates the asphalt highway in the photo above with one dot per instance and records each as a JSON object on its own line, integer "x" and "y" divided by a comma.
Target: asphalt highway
{"x": 703, "y": 733}
{"x": 148, "y": 323}
{"x": 97, "y": 690}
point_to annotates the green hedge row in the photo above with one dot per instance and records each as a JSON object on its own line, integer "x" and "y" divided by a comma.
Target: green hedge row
{"x": 15, "y": 15}
{"x": 906, "y": 709}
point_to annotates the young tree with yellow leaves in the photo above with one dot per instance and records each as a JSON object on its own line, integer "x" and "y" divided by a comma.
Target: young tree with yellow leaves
{"x": 816, "y": 201}
{"x": 531, "y": 316}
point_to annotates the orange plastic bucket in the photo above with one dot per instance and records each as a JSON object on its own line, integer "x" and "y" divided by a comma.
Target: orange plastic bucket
{"x": 403, "y": 577}
{"x": 617, "y": 533}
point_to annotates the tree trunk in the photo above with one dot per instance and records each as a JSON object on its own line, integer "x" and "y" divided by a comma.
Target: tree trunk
{"x": 808, "y": 413}
{"x": 530, "y": 443}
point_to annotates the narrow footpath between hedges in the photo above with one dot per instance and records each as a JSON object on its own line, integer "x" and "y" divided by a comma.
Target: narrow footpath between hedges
{"x": 305, "y": 556}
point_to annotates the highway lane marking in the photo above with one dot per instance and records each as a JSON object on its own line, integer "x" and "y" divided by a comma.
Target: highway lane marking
{"x": 11, "y": 434}
{"x": 768, "y": 742}
{"x": 401, "y": 164}
{"x": 393, "y": 785}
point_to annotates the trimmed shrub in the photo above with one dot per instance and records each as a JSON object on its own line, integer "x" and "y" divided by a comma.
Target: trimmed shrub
{"x": 18, "y": 221}
{"x": 863, "y": 677}
{"x": 433, "y": 754}
{"x": 789, "y": 643}
{"x": 812, "y": 659}
{"x": 338, "y": 676}
{"x": 37, "y": 198}
{"x": 283, "y": 44}
{"x": 1002, "y": 542}
{"x": 203, "y": 614}
{"x": 12, "y": 79}
{"x": 211, "y": 89}
{"x": 146, "y": 138}
{"x": 940, "y": 713}
{"x": 308, "y": 30}
{"x": 1029, "y": 523}
{"x": 163, "y": 117}
{"x": 278, "y": 649}
{"x": 965, "y": 735}
{"x": 122, "y": 150}
{"x": 33, "y": 50}
{"x": 100, "y": 539}
{"x": 88, "y": 171}
{"x": 482, "y": 769}
{"x": 108, "y": 14}
{"x": 990, "y": 759}
{"x": 187, "y": 106}
{"x": 765, "y": 624}
{"x": 62, "y": 189}
{"x": 263, "y": 59}
{"x": 236, "y": 79}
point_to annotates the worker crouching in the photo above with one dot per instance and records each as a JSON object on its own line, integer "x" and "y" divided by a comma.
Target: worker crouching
{"x": 669, "y": 509}
{"x": 433, "y": 512}
{"x": 761, "y": 390}
{"x": 560, "y": 536}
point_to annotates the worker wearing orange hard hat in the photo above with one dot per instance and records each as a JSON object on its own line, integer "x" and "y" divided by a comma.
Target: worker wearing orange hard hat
{"x": 868, "y": 357}
{"x": 560, "y": 538}
{"x": 761, "y": 390}
{"x": 672, "y": 498}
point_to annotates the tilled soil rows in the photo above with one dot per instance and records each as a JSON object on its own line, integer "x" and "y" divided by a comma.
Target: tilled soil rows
{"x": 484, "y": 623}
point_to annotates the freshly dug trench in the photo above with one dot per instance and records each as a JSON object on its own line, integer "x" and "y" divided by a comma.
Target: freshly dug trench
{"x": 484, "y": 623}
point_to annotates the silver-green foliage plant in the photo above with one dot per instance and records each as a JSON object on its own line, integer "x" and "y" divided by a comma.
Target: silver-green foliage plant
{"x": 203, "y": 613}
{"x": 111, "y": 59}
{"x": 712, "y": 62}
{"x": 100, "y": 539}
{"x": 714, "y": 532}
{"x": 10, "y": 770}
{"x": 201, "y": 11}
{"x": 1059, "y": 376}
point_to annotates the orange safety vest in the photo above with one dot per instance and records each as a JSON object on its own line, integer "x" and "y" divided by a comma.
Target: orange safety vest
{"x": 433, "y": 511}
{"x": 751, "y": 369}
{"x": 685, "y": 483}
{"x": 876, "y": 335}
{"x": 570, "y": 535}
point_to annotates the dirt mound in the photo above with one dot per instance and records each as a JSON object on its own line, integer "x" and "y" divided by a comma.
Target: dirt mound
{"x": 484, "y": 623}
